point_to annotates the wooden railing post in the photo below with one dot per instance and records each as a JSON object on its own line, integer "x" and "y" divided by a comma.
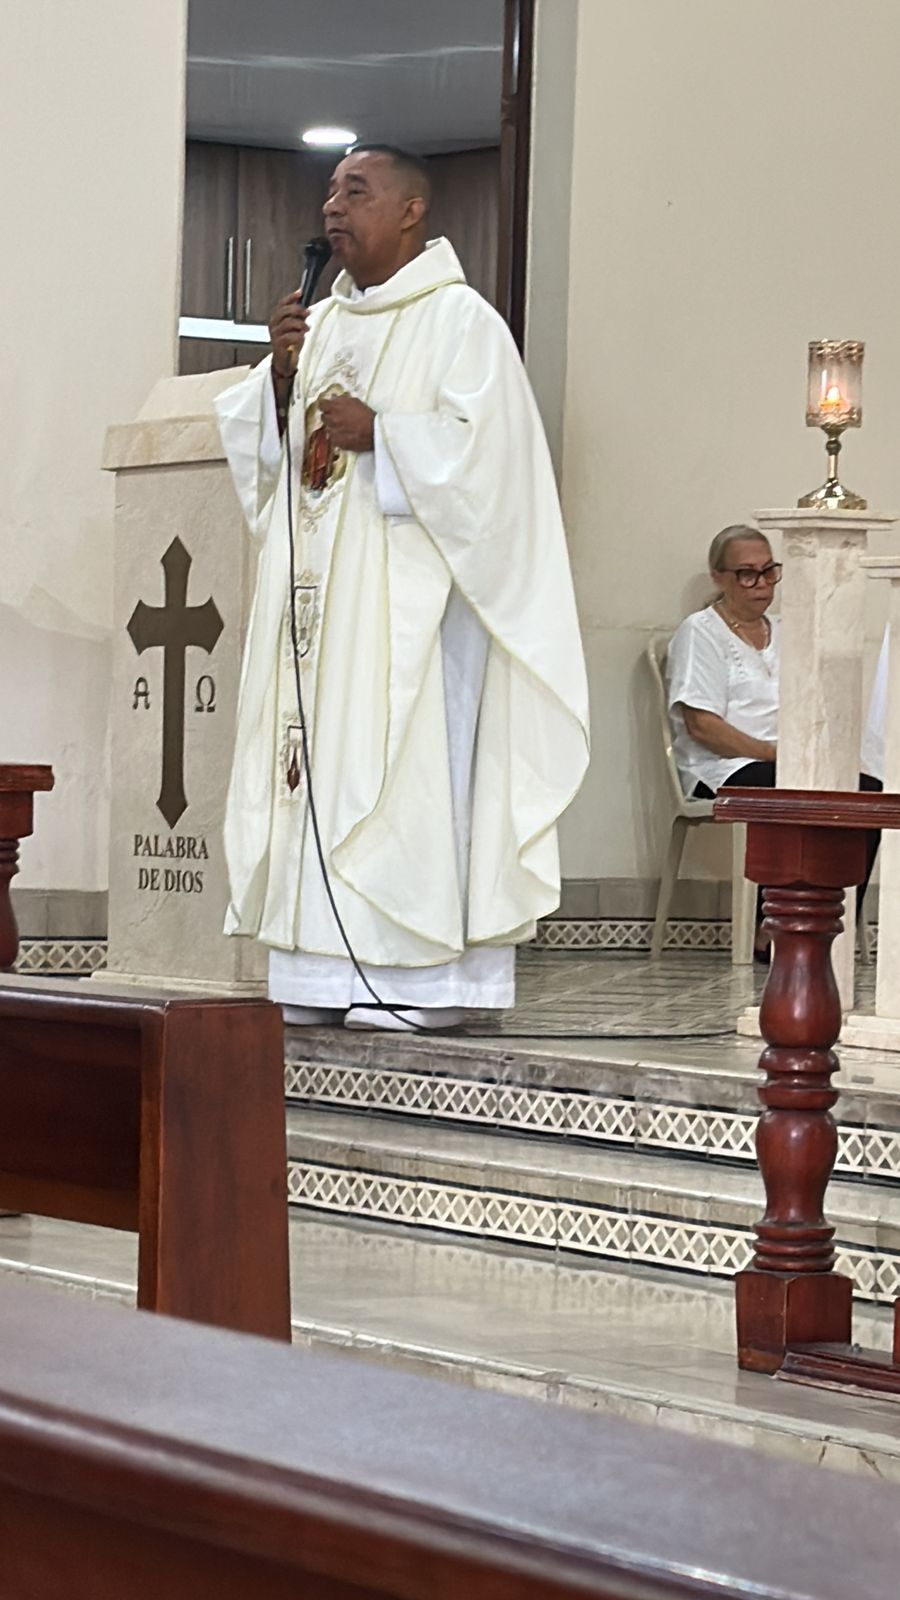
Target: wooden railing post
{"x": 791, "y": 1293}
{"x": 18, "y": 785}
{"x": 804, "y": 847}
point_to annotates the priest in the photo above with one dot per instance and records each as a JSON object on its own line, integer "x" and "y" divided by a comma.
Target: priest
{"x": 413, "y": 648}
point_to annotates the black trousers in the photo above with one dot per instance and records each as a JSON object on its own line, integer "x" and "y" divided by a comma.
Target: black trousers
{"x": 761, "y": 775}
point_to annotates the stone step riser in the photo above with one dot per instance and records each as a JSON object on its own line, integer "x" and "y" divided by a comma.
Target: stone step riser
{"x": 868, "y": 1150}
{"x": 611, "y": 1222}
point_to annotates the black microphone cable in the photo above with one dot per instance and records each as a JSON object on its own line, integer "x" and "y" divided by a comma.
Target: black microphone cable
{"x": 399, "y": 1012}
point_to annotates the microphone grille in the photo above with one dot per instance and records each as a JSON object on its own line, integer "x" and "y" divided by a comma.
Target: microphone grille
{"x": 318, "y": 249}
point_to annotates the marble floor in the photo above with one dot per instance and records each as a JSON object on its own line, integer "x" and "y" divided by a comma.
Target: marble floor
{"x": 612, "y": 994}
{"x": 638, "y": 1343}
{"x": 622, "y": 994}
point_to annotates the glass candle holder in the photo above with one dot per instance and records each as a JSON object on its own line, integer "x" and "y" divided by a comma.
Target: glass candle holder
{"x": 833, "y": 403}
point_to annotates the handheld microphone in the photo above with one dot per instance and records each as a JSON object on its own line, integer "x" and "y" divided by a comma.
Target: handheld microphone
{"x": 316, "y": 255}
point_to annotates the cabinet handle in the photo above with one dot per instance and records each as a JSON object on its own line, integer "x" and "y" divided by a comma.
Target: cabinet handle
{"x": 229, "y": 277}
{"x": 248, "y": 276}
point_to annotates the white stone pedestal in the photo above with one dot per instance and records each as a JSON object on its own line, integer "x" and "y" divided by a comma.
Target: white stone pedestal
{"x": 882, "y": 1031}
{"x": 183, "y": 586}
{"x": 822, "y": 635}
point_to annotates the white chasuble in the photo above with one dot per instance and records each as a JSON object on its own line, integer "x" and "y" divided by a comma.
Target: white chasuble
{"x": 420, "y": 872}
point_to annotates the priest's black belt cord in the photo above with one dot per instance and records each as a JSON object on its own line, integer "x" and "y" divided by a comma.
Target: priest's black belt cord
{"x": 377, "y": 1004}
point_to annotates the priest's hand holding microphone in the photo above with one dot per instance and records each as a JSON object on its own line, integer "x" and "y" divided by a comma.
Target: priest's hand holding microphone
{"x": 287, "y": 331}
{"x": 349, "y": 423}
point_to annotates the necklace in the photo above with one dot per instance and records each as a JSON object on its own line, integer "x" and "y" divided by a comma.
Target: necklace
{"x": 737, "y": 626}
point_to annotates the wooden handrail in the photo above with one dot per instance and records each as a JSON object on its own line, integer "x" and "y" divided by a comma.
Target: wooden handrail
{"x": 18, "y": 786}
{"x": 144, "y": 1456}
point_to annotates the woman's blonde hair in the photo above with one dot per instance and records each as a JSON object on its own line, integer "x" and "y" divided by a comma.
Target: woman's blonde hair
{"x": 727, "y": 536}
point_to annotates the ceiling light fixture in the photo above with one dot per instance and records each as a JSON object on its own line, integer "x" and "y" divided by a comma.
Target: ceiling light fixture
{"x": 329, "y": 138}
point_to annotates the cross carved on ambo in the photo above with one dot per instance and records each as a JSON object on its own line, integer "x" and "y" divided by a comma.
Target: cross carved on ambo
{"x": 173, "y": 627}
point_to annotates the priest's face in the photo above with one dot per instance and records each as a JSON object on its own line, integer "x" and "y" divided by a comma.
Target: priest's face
{"x": 372, "y": 221}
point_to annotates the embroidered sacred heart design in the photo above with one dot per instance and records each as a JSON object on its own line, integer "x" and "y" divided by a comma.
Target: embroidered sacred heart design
{"x": 323, "y": 463}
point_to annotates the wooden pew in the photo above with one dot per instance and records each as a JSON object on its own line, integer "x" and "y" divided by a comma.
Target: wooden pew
{"x": 143, "y": 1457}
{"x": 145, "y": 1111}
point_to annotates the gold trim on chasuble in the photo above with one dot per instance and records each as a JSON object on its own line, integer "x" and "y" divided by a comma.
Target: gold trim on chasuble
{"x": 306, "y": 619}
{"x": 324, "y": 471}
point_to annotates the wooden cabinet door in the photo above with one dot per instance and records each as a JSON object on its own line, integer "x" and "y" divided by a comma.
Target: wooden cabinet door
{"x": 206, "y": 355}
{"x": 210, "y": 230}
{"x": 209, "y": 355}
{"x": 280, "y": 196}
{"x": 467, "y": 209}
{"x": 247, "y": 354}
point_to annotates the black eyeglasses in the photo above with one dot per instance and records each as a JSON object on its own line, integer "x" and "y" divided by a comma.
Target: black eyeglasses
{"x": 749, "y": 577}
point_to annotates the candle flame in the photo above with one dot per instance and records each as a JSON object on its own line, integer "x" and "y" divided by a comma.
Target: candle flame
{"x": 832, "y": 401}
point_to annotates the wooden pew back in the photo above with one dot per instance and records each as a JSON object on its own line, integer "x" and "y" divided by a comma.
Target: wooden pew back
{"x": 140, "y": 1456}
{"x": 159, "y": 1113}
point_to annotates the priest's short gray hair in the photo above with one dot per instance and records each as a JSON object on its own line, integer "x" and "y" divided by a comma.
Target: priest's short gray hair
{"x": 727, "y": 536}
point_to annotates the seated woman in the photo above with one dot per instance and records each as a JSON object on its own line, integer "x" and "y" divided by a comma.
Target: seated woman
{"x": 722, "y": 672}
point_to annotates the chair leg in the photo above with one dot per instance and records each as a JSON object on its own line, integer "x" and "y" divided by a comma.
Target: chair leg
{"x": 667, "y": 885}
{"x": 743, "y": 901}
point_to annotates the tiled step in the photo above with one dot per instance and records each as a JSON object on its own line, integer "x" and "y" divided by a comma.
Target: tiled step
{"x": 675, "y": 1097}
{"x": 556, "y": 1195}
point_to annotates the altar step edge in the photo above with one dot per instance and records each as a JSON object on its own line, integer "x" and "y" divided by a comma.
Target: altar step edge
{"x": 600, "y": 1203}
{"x": 682, "y": 1106}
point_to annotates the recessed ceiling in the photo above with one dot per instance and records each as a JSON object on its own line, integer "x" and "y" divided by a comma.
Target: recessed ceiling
{"x": 425, "y": 74}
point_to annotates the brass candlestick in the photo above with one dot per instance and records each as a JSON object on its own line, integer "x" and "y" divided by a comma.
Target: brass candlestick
{"x": 833, "y": 403}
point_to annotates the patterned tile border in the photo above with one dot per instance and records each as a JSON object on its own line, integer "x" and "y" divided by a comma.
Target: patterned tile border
{"x": 555, "y": 933}
{"x": 624, "y": 933}
{"x": 606, "y": 1119}
{"x": 63, "y": 957}
{"x": 545, "y": 1223}
{"x": 634, "y": 933}
{"x": 561, "y": 933}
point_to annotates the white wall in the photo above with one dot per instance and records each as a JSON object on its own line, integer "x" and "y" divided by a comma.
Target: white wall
{"x": 92, "y": 129}
{"x": 735, "y": 171}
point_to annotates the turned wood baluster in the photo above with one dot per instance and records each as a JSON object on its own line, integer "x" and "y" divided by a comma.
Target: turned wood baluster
{"x": 791, "y": 1293}
{"x": 796, "y": 1137}
{"x": 9, "y": 934}
{"x": 806, "y": 846}
{"x": 18, "y": 785}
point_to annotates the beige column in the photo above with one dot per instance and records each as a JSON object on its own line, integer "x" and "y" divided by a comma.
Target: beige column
{"x": 882, "y": 1031}
{"x": 822, "y": 636}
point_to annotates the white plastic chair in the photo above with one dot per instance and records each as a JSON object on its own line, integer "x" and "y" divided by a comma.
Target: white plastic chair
{"x": 690, "y": 813}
